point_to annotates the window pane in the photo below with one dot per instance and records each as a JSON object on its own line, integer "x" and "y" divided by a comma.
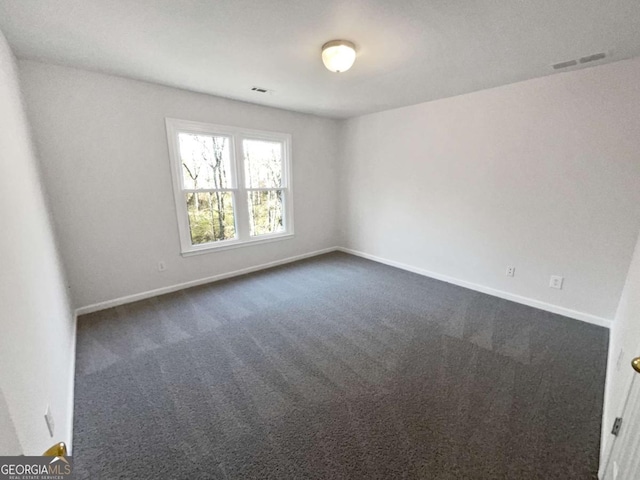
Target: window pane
{"x": 265, "y": 212}
{"x": 206, "y": 161}
{"x": 211, "y": 217}
{"x": 262, "y": 164}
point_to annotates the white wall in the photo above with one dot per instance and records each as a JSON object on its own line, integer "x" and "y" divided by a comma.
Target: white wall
{"x": 543, "y": 175}
{"x": 36, "y": 323}
{"x": 9, "y": 442}
{"x": 106, "y": 165}
{"x": 624, "y": 345}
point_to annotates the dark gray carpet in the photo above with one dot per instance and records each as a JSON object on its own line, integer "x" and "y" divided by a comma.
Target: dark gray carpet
{"x": 336, "y": 368}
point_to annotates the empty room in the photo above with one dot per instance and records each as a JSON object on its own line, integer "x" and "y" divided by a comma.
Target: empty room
{"x": 320, "y": 240}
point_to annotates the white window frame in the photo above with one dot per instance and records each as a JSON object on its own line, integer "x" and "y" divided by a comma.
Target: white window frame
{"x": 239, "y": 191}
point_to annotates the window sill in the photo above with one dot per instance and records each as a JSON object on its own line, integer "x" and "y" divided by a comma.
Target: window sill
{"x": 236, "y": 244}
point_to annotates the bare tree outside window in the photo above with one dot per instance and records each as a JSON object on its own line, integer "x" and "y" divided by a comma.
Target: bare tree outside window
{"x": 232, "y": 186}
{"x": 263, "y": 179}
{"x": 206, "y": 163}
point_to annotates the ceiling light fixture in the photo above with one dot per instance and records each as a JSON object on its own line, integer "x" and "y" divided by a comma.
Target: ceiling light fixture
{"x": 338, "y": 55}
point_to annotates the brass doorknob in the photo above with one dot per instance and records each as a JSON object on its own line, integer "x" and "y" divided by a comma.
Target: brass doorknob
{"x": 57, "y": 450}
{"x": 635, "y": 363}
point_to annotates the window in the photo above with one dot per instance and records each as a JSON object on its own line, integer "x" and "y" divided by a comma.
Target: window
{"x": 232, "y": 186}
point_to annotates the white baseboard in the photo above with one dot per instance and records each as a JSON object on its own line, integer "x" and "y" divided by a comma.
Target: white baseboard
{"x": 72, "y": 385}
{"x": 604, "y": 458}
{"x": 194, "y": 283}
{"x": 567, "y": 312}
{"x": 606, "y": 438}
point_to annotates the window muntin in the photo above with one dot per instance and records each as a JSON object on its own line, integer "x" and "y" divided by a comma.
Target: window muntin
{"x": 232, "y": 186}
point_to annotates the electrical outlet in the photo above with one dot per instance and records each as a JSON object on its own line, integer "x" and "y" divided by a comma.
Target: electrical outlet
{"x": 162, "y": 266}
{"x": 556, "y": 282}
{"x": 511, "y": 271}
{"x": 48, "y": 417}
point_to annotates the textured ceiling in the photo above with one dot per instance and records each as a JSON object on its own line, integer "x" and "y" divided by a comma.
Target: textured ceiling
{"x": 409, "y": 51}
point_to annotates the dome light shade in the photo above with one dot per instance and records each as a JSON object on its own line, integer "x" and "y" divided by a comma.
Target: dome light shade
{"x": 338, "y": 55}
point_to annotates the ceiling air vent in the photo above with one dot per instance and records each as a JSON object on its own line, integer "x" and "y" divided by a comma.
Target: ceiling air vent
{"x": 570, "y": 63}
{"x": 573, "y": 63}
{"x": 262, "y": 90}
{"x": 593, "y": 58}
